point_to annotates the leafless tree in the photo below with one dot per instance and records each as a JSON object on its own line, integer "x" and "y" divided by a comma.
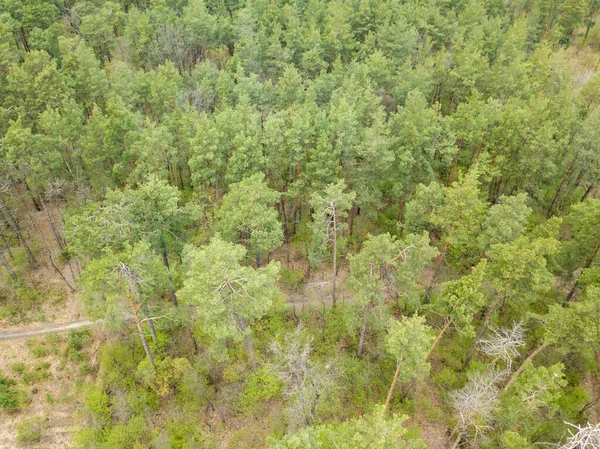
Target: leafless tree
{"x": 474, "y": 404}
{"x": 583, "y": 437}
{"x": 307, "y": 383}
{"x": 503, "y": 344}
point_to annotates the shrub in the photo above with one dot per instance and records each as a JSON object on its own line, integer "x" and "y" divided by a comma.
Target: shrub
{"x": 117, "y": 365}
{"x": 126, "y": 436}
{"x": 18, "y": 367}
{"x": 30, "y": 431}
{"x": 77, "y": 339}
{"x": 260, "y": 387}
{"x": 97, "y": 404}
{"x": 8, "y": 394}
{"x": 291, "y": 279}
{"x": 37, "y": 348}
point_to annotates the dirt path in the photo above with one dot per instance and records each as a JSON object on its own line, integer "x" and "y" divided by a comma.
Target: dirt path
{"x": 50, "y": 329}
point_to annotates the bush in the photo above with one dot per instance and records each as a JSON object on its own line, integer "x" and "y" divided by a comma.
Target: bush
{"x": 37, "y": 348}
{"x": 77, "y": 339}
{"x": 30, "y": 431}
{"x": 291, "y": 279}
{"x": 97, "y": 404}
{"x": 126, "y": 436}
{"x": 8, "y": 394}
{"x": 38, "y": 373}
{"x": 18, "y": 367}
{"x": 117, "y": 365}
{"x": 260, "y": 387}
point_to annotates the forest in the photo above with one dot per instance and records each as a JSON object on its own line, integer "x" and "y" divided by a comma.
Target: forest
{"x": 308, "y": 224}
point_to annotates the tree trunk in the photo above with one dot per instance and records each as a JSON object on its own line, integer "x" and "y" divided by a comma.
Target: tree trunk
{"x": 458, "y": 438}
{"x": 17, "y": 229}
{"x": 334, "y": 259}
{"x": 283, "y": 219}
{"x": 480, "y": 334}
{"x": 389, "y": 396}
{"x": 7, "y": 266}
{"x": 32, "y": 196}
{"x": 152, "y": 330}
{"x": 166, "y": 264}
{"x": 587, "y": 191}
{"x": 588, "y": 264}
{"x": 454, "y": 163}
{"x": 353, "y": 212}
{"x": 5, "y": 241}
{"x": 257, "y": 257}
{"x": 401, "y": 209}
{"x": 410, "y": 384}
{"x": 361, "y": 341}
{"x": 514, "y": 375}
{"x": 439, "y": 337}
{"x": 248, "y": 340}
{"x": 138, "y": 323}
{"x": 57, "y": 237}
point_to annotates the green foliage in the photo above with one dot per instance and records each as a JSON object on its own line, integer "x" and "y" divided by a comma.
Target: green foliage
{"x": 259, "y": 388}
{"x": 408, "y": 341}
{"x": 224, "y": 290}
{"x": 329, "y": 206}
{"x": 372, "y": 431}
{"x": 30, "y": 431}
{"x": 291, "y": 279}
{"x": 9, "y": 397}
{"x": 462, "y": 298}
{"x": 245, "y": 216}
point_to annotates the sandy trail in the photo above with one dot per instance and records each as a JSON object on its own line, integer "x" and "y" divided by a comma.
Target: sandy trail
{"x": 50, "y": 329}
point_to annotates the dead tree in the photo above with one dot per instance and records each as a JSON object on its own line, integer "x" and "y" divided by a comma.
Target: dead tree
{"x": 307, "y": 383}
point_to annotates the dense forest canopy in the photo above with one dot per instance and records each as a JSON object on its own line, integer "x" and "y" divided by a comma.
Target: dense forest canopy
{"x": 328, "y": 224}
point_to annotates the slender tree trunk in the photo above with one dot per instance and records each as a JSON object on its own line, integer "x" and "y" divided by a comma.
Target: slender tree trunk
{"x": 353, "y": 212}
{"x": 283, "y": 219}
{"x": 152, "y": 329}
{"x": 438, "y": 267}
{"x": 361, "y": 341}
{"x": 7, "y": 266}
{"x": 588, "y": 264}
{"x": 17, "y": 229}
{"x": 454, "y": 163}
{"x": 401, "y": 209}
{"x": 484, "y": 326}
{"x": 410, "y": 384}
{"x": 587, "y": 191}
{"x": 166, "y": 264}
{"x": 5, "y": 241}
{"x": 32, "y": 196}
{"x": 57, "y": 237}
{"x": 138, "y": 323}
{"x": 334, "y": 259}
{"x": 514, "y": 375}
{"x": 391, "y": 392}
{"x": 458, "y": 438}
{"x": 248, "y": 341}
{"x": 257, "y": 257}
{"x": 439, "y": 337}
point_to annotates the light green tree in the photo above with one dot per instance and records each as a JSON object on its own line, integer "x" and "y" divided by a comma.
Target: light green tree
{"x": 372, "y": 431}
{"x": 459, "y": 300}
{"x": 505, "y": 221}
{"x": 229, "y": 296}
{"x": 519, "y": 274}
{"x": 115, "y": 283}
{"x": 247, "y": 216}
{"x": 386, "y": 265}
{"x": 581, "y": 248}
{"x": 329, "y": 206}
{"x": 408, "y": 340}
